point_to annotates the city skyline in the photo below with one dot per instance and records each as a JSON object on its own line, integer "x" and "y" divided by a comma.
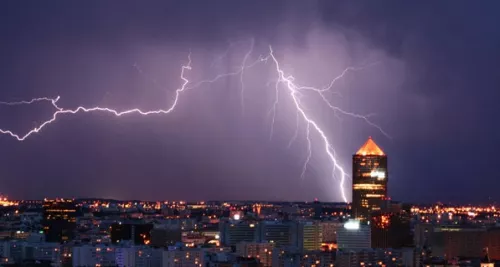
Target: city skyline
{"x": 416, "y": 73}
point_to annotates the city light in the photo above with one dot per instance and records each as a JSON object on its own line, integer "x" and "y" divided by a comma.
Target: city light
{"x": 352, "y": 225}
{"x": 378, "y": 174}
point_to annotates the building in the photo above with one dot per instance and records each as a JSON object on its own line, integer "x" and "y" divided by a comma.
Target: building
{"x": 261, "y": 251}
{"x": 192, "y": 238}
{"x": 22, "y": 251}
{"x": 281, "y": 233}
{"x": 161, "y": 237}
{"x": 422, "y": 234}
{"x": 183, "y": 257}
{"x": 373, "y": 257}
{"x": 369, "y": 180}
{"x": 59, "y": 220}
{"x": 236, "y": 231}
{"x": 452, "y": 241}
{"x": 287, "y": 257}
{"x": 292, "y": 257}
{"x": 139, "y": 233}
{"x": 318, "y": 209}
{"x": 49, "y": 252}
{"x": 309, "y": 236}
{"x": 138, "y": 256}
{"x": 89, "y": 255}
{"x": 464, "y": 241}
{"x": 318, "y": 259}
{"x": 354, "y": 236}
{"x": 329, "y": 230}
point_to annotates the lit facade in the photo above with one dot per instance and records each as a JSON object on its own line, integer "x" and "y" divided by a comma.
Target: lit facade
{"x": 354, "y": 235}
{"x": 369, "y": 180}
{"x": 309, "y": 236}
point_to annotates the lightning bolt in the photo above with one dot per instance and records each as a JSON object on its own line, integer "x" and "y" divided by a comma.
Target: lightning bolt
{"x": 309, "y": 152}
{"x": 59, "y": 111}
{"x": 40, "y": 99}
{"x": 242, "y": 72}
{"x": 287, "y": 82}
{"x": 294, "y": 91}
{"x": 274, "y": 106}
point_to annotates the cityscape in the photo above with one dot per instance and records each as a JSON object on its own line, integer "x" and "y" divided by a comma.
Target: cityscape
{"x": 373, "y": 230}
{"x": 257, "y": 133}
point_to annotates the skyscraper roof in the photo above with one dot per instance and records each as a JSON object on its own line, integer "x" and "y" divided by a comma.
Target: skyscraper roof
{"x": 370, "y": 148}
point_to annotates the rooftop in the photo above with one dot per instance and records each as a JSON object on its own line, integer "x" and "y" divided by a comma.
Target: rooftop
{"x": 370, "y": 148}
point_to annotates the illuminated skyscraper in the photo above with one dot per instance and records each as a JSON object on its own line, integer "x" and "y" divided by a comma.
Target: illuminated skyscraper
{"x": 369, "y": 179}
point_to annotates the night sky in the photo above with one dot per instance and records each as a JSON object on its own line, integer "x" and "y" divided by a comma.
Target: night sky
{"x": 433, "y": 85}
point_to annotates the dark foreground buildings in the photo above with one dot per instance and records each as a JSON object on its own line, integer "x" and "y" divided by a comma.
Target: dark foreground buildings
{"x": 138, "y": 233}
{"x": 391, "y": 230}
{"x": 59, "y": 220}
{"x": 369, "y": 186}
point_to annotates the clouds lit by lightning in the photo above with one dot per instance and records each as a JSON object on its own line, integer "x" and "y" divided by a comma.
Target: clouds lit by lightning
{"x": 292, "y": 90}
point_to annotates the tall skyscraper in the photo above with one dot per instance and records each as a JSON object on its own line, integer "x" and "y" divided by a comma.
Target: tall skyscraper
{"x": 369, "y": 179}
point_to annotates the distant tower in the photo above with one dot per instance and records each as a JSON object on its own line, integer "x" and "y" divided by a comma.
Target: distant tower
{"x": 369, "y": 180}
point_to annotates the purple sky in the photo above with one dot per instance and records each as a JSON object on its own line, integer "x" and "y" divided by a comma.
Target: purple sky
{"x": 433, "y": 89}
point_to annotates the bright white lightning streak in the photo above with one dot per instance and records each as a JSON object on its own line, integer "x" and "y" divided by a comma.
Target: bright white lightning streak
{"x": 242, "y": 72}
{"x": 84, "y": 109}
{"x": 309, "y": 152}
{"x": 183, "y": 88}
{"x": 275, "y": 106}
{"x": 293, "y": 89}
{"x": 358, "y": 116}
{"x": 52, "y": 100}
{"x": 294, "y": 92}
{"x": 178, "y": 92}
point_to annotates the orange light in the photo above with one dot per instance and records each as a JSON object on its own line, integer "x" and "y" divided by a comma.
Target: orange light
{"x": 368, "y": 186}
{"x": 370, "y": 148}
{"x": 374, "y": 195}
